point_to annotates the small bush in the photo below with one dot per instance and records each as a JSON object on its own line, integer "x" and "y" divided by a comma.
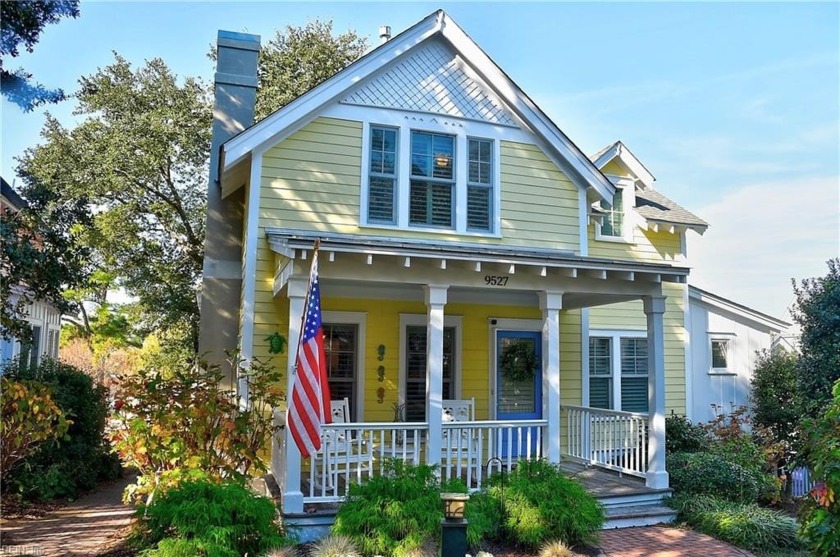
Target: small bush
{"x": 335, "y": 546}
{"x": 556, "y": 549}
{"x": 394, "y": 513}
{"x": 710, "y": 474}
{"x": 202, "y": 518}
{"x": 540, "y": 504}
{"x": 75, "y": 463}
{"x": 682, "y": 436}
{"x": 746, "y": 525}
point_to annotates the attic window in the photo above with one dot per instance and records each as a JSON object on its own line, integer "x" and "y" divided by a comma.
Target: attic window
{"x": 613, "y": 224}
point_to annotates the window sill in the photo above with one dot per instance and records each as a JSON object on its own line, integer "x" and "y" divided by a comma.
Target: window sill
{"x": 430, "y": 230}
{"x": 719, "y": 371}
{"x": 614, "y": 239}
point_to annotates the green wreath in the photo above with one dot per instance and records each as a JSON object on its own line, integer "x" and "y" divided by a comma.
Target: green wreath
{"x": 518, "y": 362}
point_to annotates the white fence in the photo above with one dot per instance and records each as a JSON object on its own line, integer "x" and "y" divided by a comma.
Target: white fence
{"x": 608, "y": 438}
{"x": 801, "y": 482}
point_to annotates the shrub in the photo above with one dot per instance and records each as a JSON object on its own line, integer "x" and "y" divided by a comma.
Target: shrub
{"x": 821, "y": 515}
{"x": 202, "y": 518}
{"x": 74, "y": 464}
{"x": 746, "y": 525}
{"x": 30, "y": 418}
{"x": 710, "y": 474}
{"x": 540, "y": 504}
{"x": 682, "y": 436}
{"x": 181, "y": 423}
{"x": 775, "y": 404}
{"x": 335, "y": 546}
{"x": 556, "y": 549}
{"x": 394, "y": 513}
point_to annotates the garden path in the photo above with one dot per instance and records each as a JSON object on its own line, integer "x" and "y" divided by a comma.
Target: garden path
{"x": 92, "y": 525}
{"x": 664, "y": 541}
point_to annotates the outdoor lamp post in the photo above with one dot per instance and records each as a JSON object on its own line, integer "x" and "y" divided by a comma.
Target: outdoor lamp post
{"x": 454, "y": 525}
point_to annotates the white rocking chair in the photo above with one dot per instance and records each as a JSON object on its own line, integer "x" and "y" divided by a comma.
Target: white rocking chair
{"x": 460, "y": 447}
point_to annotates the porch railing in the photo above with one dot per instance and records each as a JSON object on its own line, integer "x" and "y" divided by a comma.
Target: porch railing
{"x": 608, "y": 438}
{"x": 353, "y": 452}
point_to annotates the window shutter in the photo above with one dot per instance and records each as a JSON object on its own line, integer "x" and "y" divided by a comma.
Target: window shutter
{"x": 478, "y": 208}
{"x": 634, "y": 394}
{"x": 381, "y": 200}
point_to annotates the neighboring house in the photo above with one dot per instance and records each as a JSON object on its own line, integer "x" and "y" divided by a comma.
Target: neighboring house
{"x": 725, "y": 337}
{"x": 43, "y": 318}
{"x": 462, "y": 233}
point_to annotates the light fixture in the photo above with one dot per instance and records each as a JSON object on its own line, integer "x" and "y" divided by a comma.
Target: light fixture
{"x": 454, "y": 505}
{"x": 442, "y": 160}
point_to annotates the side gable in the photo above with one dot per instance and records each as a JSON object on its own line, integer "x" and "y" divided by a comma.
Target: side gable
{"x": 391, "y": 55}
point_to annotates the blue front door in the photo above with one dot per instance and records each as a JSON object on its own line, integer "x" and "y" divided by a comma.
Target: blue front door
{"x": 519, "y": 387}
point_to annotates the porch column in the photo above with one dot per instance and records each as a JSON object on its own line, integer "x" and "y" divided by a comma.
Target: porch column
{"x": 657, "y": 476}
{"x": 435, "y": 300}
{"x": 292, "y": 495}
{"x": 551, "y": 303}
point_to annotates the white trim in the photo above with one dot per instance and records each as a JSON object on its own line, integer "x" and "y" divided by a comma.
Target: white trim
{"x": 689, "y": 360}
{"x": 628, "y": 160}
{"x": 729, "y": 339}
{"x": 296, "y": 114}
{"x": 584, "y": 356}
{"x": 419, "y": 319}
{"x": 628, "y": 225}
{"x": 359, "y": 319}
{"x": 583, "y": 217}
{"x": 249, "y": 268}
{"x": 504, "y": 324}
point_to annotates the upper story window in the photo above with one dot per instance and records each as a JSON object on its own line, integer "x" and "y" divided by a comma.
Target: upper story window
{"x": 431, "y": 179}
{"x": 721, "y": 354}
{"x": 616, "y": 224}
{"x": 382, "y": 175}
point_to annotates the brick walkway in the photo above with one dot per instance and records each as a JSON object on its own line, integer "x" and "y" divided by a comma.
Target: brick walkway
{"x": 663, "y": 541}
{"x": 93, "y": 525}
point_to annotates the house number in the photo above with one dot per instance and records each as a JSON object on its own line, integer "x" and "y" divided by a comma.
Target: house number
{"x": 496, "y": 280}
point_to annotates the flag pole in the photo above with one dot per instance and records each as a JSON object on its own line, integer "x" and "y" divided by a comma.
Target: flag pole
{"x": 306, "y": 298}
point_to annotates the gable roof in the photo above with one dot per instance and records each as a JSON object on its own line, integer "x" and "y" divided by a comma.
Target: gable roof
{"x": 627, "y": 159}
{"x": 14, "y": 200}
{"x": 654, "y": 207}
{"x": 757, "y": 317}
{"x": 296, "y": 114}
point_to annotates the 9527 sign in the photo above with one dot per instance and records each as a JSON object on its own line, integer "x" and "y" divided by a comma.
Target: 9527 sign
{"x": 496, "y": 280}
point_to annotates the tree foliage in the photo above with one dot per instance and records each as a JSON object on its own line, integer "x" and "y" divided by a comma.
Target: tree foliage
{"x": 299, "y": 58}
{"x": 138, "y": 163}
{"x": 42, "y": 254}
{"x": 21, "y": 22}
{"x": 818, "y": 314}
{"x": 775, "y": 403}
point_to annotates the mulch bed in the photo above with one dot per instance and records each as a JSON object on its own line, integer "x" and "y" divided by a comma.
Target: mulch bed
{"x": 507, "y": 550}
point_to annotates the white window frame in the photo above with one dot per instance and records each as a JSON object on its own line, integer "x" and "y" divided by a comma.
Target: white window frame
{"x": 615, "y": 337}
{"x": 360, "y": 320}
{"x": 626, "y": 187}
{"x": 729, "y": 339}
{"x": 415, "y": 320}
{"x": 462, "y": 130}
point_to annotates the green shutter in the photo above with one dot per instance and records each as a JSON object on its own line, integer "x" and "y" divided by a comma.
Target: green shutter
{"x": 634, "y": 394}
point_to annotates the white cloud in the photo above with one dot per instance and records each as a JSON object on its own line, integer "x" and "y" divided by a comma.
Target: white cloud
{"x": 764, "y": 234}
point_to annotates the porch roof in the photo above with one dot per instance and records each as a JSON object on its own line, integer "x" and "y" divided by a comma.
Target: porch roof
{"x": 288, "y": 242}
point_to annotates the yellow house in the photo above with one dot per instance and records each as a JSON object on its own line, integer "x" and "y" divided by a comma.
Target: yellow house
{"x": 489, "y": 293}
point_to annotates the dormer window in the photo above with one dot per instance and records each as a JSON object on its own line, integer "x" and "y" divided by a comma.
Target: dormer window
{"x": 430, "y": 179}
{"x": 615, "y": 223}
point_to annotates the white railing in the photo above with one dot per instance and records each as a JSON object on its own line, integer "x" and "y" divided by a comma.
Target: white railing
{"x": 608, "y": 438}
{"x": 472, "y": 450}
{"x": 353, "y": 452}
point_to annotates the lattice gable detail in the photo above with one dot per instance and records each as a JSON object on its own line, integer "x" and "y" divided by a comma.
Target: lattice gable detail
{"x": 432, "y": 79}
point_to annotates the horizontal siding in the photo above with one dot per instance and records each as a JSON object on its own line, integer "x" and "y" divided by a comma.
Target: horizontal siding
{"x": 647, "y": 245}
{"x": 531, "y": 183}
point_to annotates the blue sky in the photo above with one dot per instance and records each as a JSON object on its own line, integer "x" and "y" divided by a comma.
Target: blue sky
{"x": 735, "y": 108}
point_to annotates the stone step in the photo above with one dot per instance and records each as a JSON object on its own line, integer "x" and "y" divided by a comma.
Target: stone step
{"x": 640, "y": 515}
{"x": 647, "y": 497}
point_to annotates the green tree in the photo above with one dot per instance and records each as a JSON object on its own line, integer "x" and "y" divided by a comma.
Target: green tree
{"x": 299, "y": 58}
{"x": 42, "y": 254}
{"x": 21, "y": 22}
{"x": 818, "y": 314}
{"x": 139, "y": 163}
{"x": 775, "y": 404}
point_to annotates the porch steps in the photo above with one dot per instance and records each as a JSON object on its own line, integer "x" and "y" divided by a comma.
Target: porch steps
{"x": 640, "y": 515}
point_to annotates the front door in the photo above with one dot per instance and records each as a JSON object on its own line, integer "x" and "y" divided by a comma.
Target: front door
{"x": 519, "y": 387}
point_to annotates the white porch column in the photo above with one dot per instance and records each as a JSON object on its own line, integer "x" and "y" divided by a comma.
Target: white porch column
{"x": 435, "y": 300}
{"x": 657, "y": 476}
{"x": 292, "y": 495}
{"x": 551, "y": 303}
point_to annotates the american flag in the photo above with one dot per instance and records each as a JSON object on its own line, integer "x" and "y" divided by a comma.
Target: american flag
{"x": 309, "y": 404}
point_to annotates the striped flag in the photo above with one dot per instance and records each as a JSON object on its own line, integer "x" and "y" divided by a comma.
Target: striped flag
{"x": 309, "y": 404}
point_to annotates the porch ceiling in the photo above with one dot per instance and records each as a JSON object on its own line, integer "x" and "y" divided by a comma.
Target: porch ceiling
{"x": 360, "y": 266}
